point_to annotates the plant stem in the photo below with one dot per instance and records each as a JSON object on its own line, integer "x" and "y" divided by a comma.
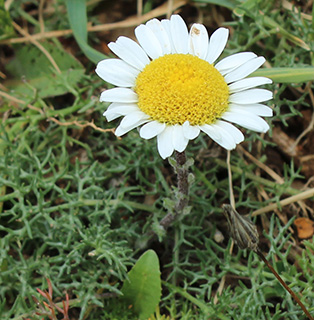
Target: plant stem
{"x": 183, "y": 190}
{"x": 295, "y": 297}
{"x": 183, "y": 185}
{"x": 245, "y": 235}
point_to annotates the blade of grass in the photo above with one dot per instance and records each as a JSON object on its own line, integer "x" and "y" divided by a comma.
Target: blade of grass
{"x": 78, "y": 22}
{"x": 287, "y": 75}
{"x": 230, "y": 4}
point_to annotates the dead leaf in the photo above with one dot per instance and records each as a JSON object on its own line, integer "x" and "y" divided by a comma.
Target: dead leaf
{"x": 305, "y": 227}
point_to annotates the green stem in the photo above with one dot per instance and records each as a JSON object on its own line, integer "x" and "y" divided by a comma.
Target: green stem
{"x": 205, "y": 308}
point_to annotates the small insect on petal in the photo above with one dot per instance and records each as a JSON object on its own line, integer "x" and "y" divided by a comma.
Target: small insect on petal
{"x": 243, "y": 231}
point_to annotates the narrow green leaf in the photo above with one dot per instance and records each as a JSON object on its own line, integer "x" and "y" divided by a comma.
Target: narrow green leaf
{"x": 287, "y": 75}
{"x": 230, "y": 4}
{"x": 78, "y": 22}
{"x": 143, "y": 289}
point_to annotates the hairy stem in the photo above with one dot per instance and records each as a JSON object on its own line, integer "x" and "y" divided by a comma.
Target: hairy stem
{"x": 183, "y": 190}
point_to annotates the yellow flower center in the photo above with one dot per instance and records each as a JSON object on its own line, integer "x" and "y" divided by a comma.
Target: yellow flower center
{"x": 181, "y": 87}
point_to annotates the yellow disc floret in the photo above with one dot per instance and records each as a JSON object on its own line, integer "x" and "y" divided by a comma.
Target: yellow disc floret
{"x": 181, "y": 87}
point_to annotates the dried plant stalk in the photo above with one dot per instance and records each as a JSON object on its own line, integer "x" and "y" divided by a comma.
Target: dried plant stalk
{"x": 243, "y": 231}
{"x": 245, "y": 235}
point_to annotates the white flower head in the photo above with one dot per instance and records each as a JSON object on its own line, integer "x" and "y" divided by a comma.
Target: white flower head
{"x": 171, "y": 86}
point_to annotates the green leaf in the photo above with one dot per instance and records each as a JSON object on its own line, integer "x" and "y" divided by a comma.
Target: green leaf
{"x": 38, "y": 73}
{"x": 246, "y": 6}
{"x": 6, "y": 29}
{"x": 78, "y": 22}
{"x": 230, "y": 4}
{"x": 287, "y": 75}
{"x": 143, "y": 289}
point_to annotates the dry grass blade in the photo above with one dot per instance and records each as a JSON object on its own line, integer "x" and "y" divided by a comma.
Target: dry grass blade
{"x": 301, "y": 196}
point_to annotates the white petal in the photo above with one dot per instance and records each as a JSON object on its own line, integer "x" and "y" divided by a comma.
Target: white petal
{"x": 178, "y": 139}
{"x": 210, "y": 131}
{"x": 251, "y": 96}
{"x": 248, "y": 83}
{"x": 190, "y": 132}
{"x": 152, "y": 129}
{"x": 179, "y": 34}
{"x": 119, "y": 95}
{"x": 198, "y": 43}
{"x": 132, "y": 118}
{"x": 117, "y": 72}
{"x": 167, "y": 26}
{"x": 258, "y": 109}
{"x": 244, "y": 70}
{"x": 247, "y": 120}
{"x": 232, "y": 130}
{"x": 217, "y": 43}
{"x": 120, "y": 110}
{"x": 115, "y": 105}
{"x": 121, "y": 130}
{"x": 219, "y": 135}
{"x": 148, "y": 41}
{"x": 111, "y": 116}
{"x": 164, "y": 142}
{"x": 129, "y": 51}
{"x": 227, "y": 140}
{"x": 161, "y": 34}
{"x": 234, "y": 61}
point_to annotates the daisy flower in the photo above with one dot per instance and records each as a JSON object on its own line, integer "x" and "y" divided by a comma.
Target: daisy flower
{"x": 171, "y": 87}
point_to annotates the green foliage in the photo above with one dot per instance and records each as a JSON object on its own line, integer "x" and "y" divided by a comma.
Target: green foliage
{"x": 287, "y": 75}
{"x": 78, "y": 22}
{"x": 32, "y": 74}
{"x": 142, "y": 289}
{"x": 6, "y": 22}
{"x": 77, "y": 204}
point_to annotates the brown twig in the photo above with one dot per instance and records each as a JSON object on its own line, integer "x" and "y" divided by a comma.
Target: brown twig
{"x": 40, "y": 16}
{"x": 139, "y": 6}
{"x": 295, "y": 297}
{"x": 231, "y": 195}
{"x": 170, "y": 8}
{"x": 263, "y": 166}
{"x": 245, "y": 235}
{"x": 16, "y": 100}
{"x": 80, "y": 124}
{"x": 301, "y": 196}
